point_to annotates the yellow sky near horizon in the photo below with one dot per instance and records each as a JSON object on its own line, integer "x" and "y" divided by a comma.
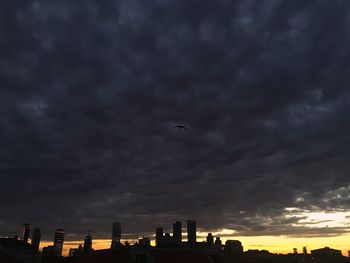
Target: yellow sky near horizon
{"x": 316, "y": 221}
{"x": 274, "y": 244}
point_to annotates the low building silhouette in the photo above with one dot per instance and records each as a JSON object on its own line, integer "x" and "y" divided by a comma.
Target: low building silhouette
{"x": 73, "y": 252}
{"x": 210, "y": 240}
{"x": 218, "y": 243}
{"x": 13, "y": 248}
{"x": 151, "y": 255}
{"x": 144, "y": 242}
{"x": 168, "y": 240}
{"x": 6, "y": 257}
{"x": 233, "y": 249}
{"x": 48, "y": 251}
{"x": 305, "y": 250}
{"x": 326, "y": 252}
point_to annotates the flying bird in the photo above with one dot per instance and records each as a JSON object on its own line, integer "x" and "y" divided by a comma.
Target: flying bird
{"x": 180, "y": 127}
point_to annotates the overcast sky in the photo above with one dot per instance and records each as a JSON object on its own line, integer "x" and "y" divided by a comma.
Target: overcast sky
{"x": 90, "y": 92}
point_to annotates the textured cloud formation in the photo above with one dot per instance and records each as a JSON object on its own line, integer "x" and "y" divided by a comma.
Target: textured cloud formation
{"x": 90, "y": 92}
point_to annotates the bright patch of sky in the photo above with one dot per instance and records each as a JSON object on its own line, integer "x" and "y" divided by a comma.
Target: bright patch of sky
{"x": 319, "y": 219}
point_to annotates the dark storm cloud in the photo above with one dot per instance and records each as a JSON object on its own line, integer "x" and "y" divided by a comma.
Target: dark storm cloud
{"x": 90, "y": 92}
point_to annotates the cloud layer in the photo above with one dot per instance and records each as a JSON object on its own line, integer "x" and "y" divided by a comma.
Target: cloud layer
{"x": 90, "y": 92}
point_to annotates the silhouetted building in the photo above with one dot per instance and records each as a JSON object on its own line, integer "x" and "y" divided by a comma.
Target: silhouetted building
{"x": 210, "y": 240}
{"x": 126, "y": 244}
{"x": 49, "y": 251}
{"x": 88, "y": 244}
{"x": 168, "y": 240}
{"x": 58, "y": 242}
{"x": 73, "y": 252}
{"x": 264, "y": 256}
{"x": 137, "y": 255}
{"x": 258, "y": 253}
{"x": 177, "y": 233}
{"x": 36, "y": 236}
{"x": 218, "y": 243}
{"x": 116, "y": 235}
{"x": 326, "y": 253}
{"x": 26, "y": 232}
{"x": 80, "y": 249}
{"x": 8, "y": 258}
{"x": 159, "y": 236}
{"x": 305, "y": 250}
{"x": 17, "y": 249}
{"x": 191, "y": 232}
{"x": 233, "y": 248}
{"x": 145, "y": 242}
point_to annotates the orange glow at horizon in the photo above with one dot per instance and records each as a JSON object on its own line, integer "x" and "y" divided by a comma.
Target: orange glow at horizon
{"x": 274, "y": 244}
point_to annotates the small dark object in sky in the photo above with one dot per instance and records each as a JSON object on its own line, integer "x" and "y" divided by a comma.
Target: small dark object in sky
{"x": 181, "y": 127}
{"x": 324, "y": 91}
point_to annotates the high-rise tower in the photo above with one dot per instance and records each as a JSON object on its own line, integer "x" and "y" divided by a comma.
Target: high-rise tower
{"x": 58, "y": 242}
{"x": 36, "y": 236}
{"x": 88, "y": 244}
{"x": 26, "y": 232}
{"x": 159, "y": 236}
{"x": 177, "y": 233}
{"x": 116, "y": 234}
{"x": 191, "y": 232}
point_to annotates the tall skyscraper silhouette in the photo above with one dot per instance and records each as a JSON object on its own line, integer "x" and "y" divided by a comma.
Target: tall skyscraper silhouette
{"x": 116, "y": 234}
{"x": 26, "y": 232}
{"x": 177, "y": 233}
{"x": 191, "y": 232}
{"x": 58, "y": 242}
{"x": 88, "y": 244}
{"x": 36, "y": 236}
{"x": 159, "y": 236}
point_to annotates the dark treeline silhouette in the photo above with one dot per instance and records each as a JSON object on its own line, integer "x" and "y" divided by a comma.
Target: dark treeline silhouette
{"x": 168, "y": 248}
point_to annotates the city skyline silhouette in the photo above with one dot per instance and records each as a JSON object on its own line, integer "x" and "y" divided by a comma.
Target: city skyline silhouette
{"x": 180, "y": 236}
{"x": 231, "y": 113}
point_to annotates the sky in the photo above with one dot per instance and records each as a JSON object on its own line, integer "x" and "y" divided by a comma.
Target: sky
{"x": 90, "y": 92}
